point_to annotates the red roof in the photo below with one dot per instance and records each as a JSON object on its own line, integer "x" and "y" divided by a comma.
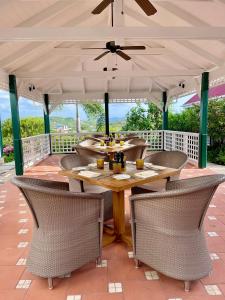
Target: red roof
{"x": 214, "y": 92}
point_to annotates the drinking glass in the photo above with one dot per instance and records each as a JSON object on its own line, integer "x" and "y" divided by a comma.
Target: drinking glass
{"x": 100, "y": 163}
{"x": 117, "y": 168}
{"x": 140, "y": 164}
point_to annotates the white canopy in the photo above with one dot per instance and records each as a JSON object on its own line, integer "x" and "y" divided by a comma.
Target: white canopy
{"x": 41, "y": 43}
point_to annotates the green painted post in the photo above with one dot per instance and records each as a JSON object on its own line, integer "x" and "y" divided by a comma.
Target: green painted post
{"x": 1, "y": 140}
{"x": 165, "y": 112}
{"x": 46, "y": 114}
{"x": 18, "y": 149}
{"x": 47, "y": 119}
{"x": 202, "y": 163}
{"x": 106, "y": 100}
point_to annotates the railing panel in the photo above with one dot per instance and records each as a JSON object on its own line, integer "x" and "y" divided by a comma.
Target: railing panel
{"x": 64, "y": 142}
{"x": 153, "y": 137}
{"x": 183, "y": 141}
{"x": 35, "y": 149}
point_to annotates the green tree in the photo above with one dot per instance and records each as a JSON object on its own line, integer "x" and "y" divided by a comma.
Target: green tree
{"x": 140, "y": 117}
{"x": 29, "y": 127}
{"x": 189, "y": 120}
{"x": 96, "y": 111}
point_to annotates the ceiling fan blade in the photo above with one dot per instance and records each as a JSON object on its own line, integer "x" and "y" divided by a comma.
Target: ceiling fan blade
{"x": 133, "y": 48}
{"x": 101, "y": 7}
{"x": 100, "y": 56}
{"x": 147, "y": 7}
{"x": 123, "y": 55}
{"x": 94, "y": 48}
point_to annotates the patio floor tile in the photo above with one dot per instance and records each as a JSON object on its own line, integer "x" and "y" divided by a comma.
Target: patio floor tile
{"x": 92, "y": 282}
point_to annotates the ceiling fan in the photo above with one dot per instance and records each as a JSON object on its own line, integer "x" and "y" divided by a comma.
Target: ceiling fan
{"x": 111, "y": 47}
{"x": 145, "y": 5}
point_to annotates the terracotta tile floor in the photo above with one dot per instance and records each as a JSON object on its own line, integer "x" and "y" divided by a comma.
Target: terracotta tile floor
{"x": 91, "y": 283}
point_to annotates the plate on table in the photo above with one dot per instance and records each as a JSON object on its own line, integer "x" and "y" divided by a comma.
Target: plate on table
{"x": 89, "y": 174}
{"x": 121, "y": 176}
{"x": 81, "y": 168}
{"x": 148, "y": 165}
{"x": 131, "y": 162}
{"x": 94, "y": 165}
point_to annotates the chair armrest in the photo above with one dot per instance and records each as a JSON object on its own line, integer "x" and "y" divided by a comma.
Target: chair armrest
{"x": 183, "y": 183}
{"x": 59, "y": 185}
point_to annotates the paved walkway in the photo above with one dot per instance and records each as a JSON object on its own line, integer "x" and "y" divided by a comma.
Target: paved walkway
{"x": 6, "y": 172}
{"x": 91, "y": 282}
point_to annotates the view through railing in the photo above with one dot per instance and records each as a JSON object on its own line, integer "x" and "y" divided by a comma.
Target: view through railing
{"x": 37, "y": 148}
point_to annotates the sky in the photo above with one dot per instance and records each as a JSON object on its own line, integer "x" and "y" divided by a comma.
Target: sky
{"x": 30, "y": 108}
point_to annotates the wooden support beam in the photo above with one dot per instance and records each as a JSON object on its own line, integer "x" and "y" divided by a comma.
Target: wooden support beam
{"x": 39, "y": 34}
{"x": 100, "y": 74}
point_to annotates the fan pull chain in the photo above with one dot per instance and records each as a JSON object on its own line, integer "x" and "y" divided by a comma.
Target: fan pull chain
{"x": 122, "y": 11}
{"x": 112, "y": 13}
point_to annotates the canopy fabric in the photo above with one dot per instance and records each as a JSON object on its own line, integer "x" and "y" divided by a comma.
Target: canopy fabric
{"x": 214, "y": 93}
{"x": 42, "y": 41}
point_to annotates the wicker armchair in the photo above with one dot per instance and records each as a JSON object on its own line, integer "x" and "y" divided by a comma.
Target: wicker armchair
{"x": 170, "y": 159}
{"x": 137, "y": 141}
{"x": 167, "y": 228}
{"x": 67, "y": 230}
{"x": 75, "y": 160}
{"x": 82, "y": 151}
{"x": 136, "y": 152}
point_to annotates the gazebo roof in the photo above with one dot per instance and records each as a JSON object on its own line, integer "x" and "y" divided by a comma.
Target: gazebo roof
{"x": 214, "y": 93}
{"x": 41, "y": 43}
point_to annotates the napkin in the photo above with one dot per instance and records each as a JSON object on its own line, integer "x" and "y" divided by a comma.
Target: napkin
{"x": 81, "y": 168}
{"x": 156, "y": 167}
{"x": 145, "y": 174}
{"x": 89, "y": 174}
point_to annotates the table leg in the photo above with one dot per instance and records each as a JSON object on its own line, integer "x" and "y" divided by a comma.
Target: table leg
{"x": 119, "y": 231}
{"x": 119, "y": 213}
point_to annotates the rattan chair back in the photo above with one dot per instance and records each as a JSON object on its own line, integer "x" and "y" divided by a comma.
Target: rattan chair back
{"x": 68, "y": 226}
{"x": 167, "y": 227}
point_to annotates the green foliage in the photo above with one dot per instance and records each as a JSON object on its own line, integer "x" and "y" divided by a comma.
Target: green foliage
{"x": 29, "y": 127}
{"x": 216, "y": 154}
{"x": 188, "y": 120}
{"x": 141, "y": 118}
{"x": 8, "y": 158}
{"x": 96, "y": 111}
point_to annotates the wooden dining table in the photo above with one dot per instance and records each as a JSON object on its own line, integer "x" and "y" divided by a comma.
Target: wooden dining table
{"x": 109, "y": 149}
{"x": 118, "y": 187}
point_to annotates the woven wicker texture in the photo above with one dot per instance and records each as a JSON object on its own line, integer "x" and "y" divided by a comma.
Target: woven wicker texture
{"x": 137, "y": 141}
{"x": 135, "y": 152}
{"x": 67, "y": 229}
{"x": 75, "y": 160}
{"x": 171, "y": 159}
{"x": 167, "y": 227}
{"x": 84, "y": 152}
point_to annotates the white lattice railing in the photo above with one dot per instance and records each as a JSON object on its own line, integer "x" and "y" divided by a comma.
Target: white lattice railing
{"x": 183, "y": 141}
{"x": 157, "y": 140}
{"x": 153, "y": 137}
{"x": 35, "y": 149}
{"x": 64, "y": 142}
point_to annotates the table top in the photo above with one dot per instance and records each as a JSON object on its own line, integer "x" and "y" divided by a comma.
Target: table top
{"x": 106, "y": 180}
{"x": 109, "y": 149}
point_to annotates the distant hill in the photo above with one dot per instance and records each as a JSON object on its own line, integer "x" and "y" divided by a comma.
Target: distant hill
{"x": 116, "y": 123}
